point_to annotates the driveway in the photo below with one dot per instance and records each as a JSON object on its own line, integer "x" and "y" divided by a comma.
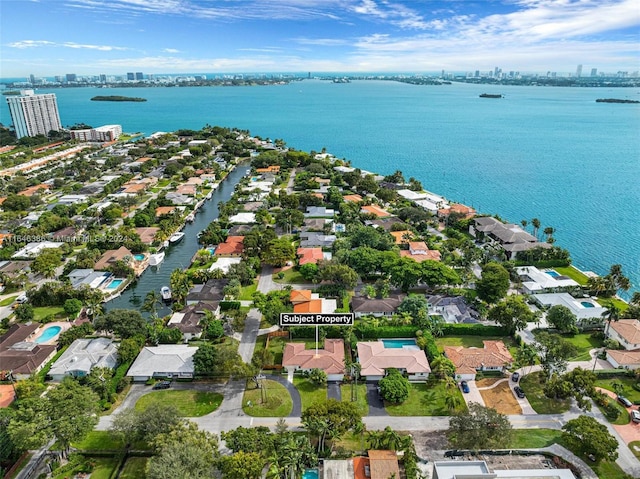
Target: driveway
{"x": 473, "y": 395}
{"x": 249, "y": 335}
{"x": 333, "y": 391}
{"x": 376, "y": 405}
{"x": 296, "y": 411}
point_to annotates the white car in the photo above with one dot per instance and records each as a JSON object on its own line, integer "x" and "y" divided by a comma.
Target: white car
{"x": 635, "y": 416}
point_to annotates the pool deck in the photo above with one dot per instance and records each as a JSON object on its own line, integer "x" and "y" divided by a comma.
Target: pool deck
{"x": 36, "y": 334}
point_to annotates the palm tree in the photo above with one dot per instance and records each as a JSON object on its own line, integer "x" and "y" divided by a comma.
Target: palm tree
{"x": 526, "y": 356}
{"x": 612, "y": 313}
{"x": 524, "y": 224}
{"x": 453, "y": 401}
{"x": 180, "y": 285}
{"x": 151, "y": 303}
{"x": 536, "y": 225}
{"x": 549, "y": 232}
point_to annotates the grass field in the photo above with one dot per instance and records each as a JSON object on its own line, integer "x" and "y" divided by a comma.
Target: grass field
{"x": 501, "y": 399}
{"x": 99, "y": 440}
{"x": 361, "y": 403}
{"x": 573, "y": 273}
{"x": 246, "y": 292}
{"x": 134, "y": 468}
{"x": 635, "y": 448}
{"x": 309, "y": 393}
{"x": 540, "y": 403}
{"x": 425, "y": 400}
{"x": 291, "y": 276}
{"x": 103, "y": 469}
{"x": 584, "y": 342}
{"x": 278, "y": 403}
{"x": 528, "y": 438}
{"x": 189, "y": 403}
{"x": 8, "y": 301}
{"x": 627, "y": 387}
{"x": 42, "y": 312}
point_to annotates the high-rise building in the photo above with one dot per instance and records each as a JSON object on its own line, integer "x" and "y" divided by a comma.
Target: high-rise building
{"x": 103, "y": 78}
{"x": 131, "y": 76}
{"x": 32, "y": 79}
{"x": 579, "y": 71}
{"x": 34, "y": 114}
{"x": 71, "y": 77}
{"x": 139, "y": 76}
{"x": 594, "y": 72}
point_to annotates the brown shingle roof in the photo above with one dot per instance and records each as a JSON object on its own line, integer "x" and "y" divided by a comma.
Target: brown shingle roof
{"x": 330, "y": 359}
{"x": 111, "y": 256}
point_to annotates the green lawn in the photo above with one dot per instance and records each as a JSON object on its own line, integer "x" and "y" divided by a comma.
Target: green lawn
{"x": 104, "y": 467}
{"x": 530, "y": 438}
{"x": 635, "y": 448}
{"x": 246, "y": 292}
{"x": 42, "y": 312}
{"x": 621, "y": 305}
{"x": 584, "y": 342}
{"x": 603, "y": 469}
{"x": 278, "y": 401}
{"x": 425, "y": 400}
{"x": 573, "y": 273}
{"x": 8, "y": 301}
{"x": 189, "y": 403}
{"x": 540, "y": 403}
{"x": 475, "y": 342}
{"x": 627, "y": 387}
{"x": 99, "y": 440}
{"x": 134, "y": 468}
{"x": 309, "y": 393}
{"x": 291, "y": 276}
{"x": 361, "y": 402}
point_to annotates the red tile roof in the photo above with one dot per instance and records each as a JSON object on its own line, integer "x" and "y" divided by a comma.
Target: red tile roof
{"x": 300, "y": 296}
{"x": 330, "y": 359}
{"x": 376, "y": 210}
{"x": 232, "y": 246}
{"x": 312, "y": 306}
{"x": 374, "y": 359}
{"x": 309, "y": 255}
{"x": 469, "y": 360}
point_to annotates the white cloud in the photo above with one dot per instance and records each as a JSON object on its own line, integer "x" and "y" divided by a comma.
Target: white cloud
{"x": 45, "y": 43}
{"x": 171, "y": 50}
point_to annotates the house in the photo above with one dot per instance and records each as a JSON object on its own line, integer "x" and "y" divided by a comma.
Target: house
{"x": 188, "y": 319}
{"x": 232, "y": 246}
{"x": 583, "y": 308}
{"x": 14, "y": 268}
{"x": 319, "y": 212}
{"x": 89, "y": 277}
{"x": 375, "y": 210}
{"x": 419, "y": 251}
{"x": 494, "y": 356}
{"x": 402, "y": 237}
{"x": 269, "y": 169}
{"x": 624, "y": 359}
{"x": 363, "y": 306}
{"x": 147, "y": 235}
{"x": 164, "y": 361}
{"x": 22, "y": 356}
{"x": 543, "y": 281}
{"x": 210, "y": 292}
{"x": 31, "y": 250}
{"x": 453, "y": 309}
{"x": 309, "y": 255}
{"x": 164, "y": 210}
{"x": 33, "y": 190}
{"x": 65, "y": 234}
{"x": 352, "y": 198}
{"x": 463, "y": 211}
{"x": 480, "y": 470}
{"x": 511, "y": 238}
{"x": 111, "y": 256}
{"x": 385, "y": 223}
{"x": 375, "y": 359}
{"x": 243, "y": 218}
{"x": 310, "y": 240}
{"x": 223, "y": 263}
{"x": 186, "y": 189}
{"x": 330, "y": 359}
{"x": 304, "y": 301}
{"x": 82, "y": 356}
{"x": 383, "y": 464}
{"x": 179, "y": 199}
{"x": 626, "y": 332}
{"x": 314, "y": 224}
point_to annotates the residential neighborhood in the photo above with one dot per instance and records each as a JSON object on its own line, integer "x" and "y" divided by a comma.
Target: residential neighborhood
{"x": 135, "y": 292}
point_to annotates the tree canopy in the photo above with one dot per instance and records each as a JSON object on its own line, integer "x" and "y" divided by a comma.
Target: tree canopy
{"x": 394, "y": 387}
{"x": 587, "y": 435}
{"x": 512, "y": 313}
{"x": 330, "y": 418}
{"x": 124, "y": 323}
{"x": 479, "y": 428}
{"x": 494, "y": 282}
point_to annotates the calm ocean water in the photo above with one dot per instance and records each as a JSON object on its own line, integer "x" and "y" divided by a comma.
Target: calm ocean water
{"x": 550, "y": 153}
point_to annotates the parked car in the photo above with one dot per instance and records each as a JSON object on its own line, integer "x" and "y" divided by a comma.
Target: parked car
{"x": 624, "y": 401}
{"x": 635, "y": 416}
{"x": 162, "y": 385}
{"x": 519, "y": 392}
{"x": 464, "y": 386}
{"x": 515, "y": 377}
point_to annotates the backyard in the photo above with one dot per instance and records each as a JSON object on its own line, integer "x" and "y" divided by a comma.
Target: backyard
{"x": 277, "y": 402}
{"x": 426, "y": 400}
{"x": 189, "y": 403}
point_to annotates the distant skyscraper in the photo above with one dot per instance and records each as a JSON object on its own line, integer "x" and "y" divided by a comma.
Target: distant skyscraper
{"x": 594, "y": 72}
{"x": 71, "y": 77}
{"x": 32, "y": 79}
{"x": 103, "y": 78}
{"x": 579, "y": 71}
{"x": 139, "y": 76}
{"x": 131, "y": 76}
{"x": 34, "y": 114}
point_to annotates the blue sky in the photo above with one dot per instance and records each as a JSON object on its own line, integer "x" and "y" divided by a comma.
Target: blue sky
{"x": 54, "y": 37}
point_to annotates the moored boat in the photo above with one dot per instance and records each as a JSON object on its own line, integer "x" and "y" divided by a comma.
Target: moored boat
{"x": 175, "y": 237}
{"x": 165, "y": 292}
{"x": 156, "y": 259}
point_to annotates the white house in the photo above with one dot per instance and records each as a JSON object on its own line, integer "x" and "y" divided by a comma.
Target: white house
{"x": 583, "y": 308}
{"x": 34, "y": 249}
{"x": 82, "y": 356}
{"x": 543, "y": 281}
{"x": 165, "y": 361}
{"x": 626, "y": 332}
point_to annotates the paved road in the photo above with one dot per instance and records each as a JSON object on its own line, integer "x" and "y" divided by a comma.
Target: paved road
{"x": 265, "y": 280}
{"x": 296, "y": 411}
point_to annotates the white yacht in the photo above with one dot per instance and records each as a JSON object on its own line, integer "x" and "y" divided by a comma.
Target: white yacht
{"x": 165, "y": 292}
{"x": 156, "y": 259}
{"x": 175, "y": 237}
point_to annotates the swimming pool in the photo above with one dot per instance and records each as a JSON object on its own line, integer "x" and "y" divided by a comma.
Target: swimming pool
{"x": 587, "y": 304}
{"x": 139, "y": 257}
{"x": 310, "y": 474}
{"x": 398, "y": 343}
{"x": 212, "y": 250}
{"x": 48, "y": 334}
{"x": 552, "y": 273}
{"x": 114, "y": 284}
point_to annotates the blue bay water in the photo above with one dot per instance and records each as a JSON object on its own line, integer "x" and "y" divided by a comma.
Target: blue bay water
{"x": 550, "y": 153}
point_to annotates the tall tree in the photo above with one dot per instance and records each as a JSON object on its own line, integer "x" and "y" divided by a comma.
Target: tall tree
{"x": 479, "y": 428}
{"x": 561, "y": 318}
{"x": 394, "y": 387}
{"x": 610, "y": 314}
{"x": 330, "y": 416}
{"x": 587, "y": 435}
{"x": 242, "y": 465}
{"x": 554, "y": 352}
{"x": 493, "y": 283}
{"x": 124, "y": 323}
{"x": 535, "y": 222}
{"x": 512, "y": 313}
{"x": 180, "y": 284}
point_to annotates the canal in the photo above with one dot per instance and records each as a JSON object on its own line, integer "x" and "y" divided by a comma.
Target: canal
{"x": 178, "y": 255}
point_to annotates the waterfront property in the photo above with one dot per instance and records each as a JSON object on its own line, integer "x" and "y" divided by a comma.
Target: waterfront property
{"x": 165, "y": 361}
{"x": 494, "y": 356}
{"x": 82, "y": 356}
{"x": 187, "y": 320}
{"x": 375, "y": 359}
{"x": 543, "y": 281}
{"x": 330, "y": 359}
{"x": 583, "y": 308}
{"x": 510, "y": 237}
{"x": 18, "y": 352}
{"x": 627, "y": 333}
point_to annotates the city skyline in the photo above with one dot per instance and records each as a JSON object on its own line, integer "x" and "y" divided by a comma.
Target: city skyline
{"x": 187, "y": 36}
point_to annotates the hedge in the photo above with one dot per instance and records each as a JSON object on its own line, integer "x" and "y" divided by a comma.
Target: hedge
{"x": 613, "y": 373}
{"x": 464, "y": 329}
{"x": 229, "y": 305}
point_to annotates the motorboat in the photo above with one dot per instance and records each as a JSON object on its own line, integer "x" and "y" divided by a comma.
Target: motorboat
{"x": 156, "y": 259}
{"x": 175, "y": 237}
{"x": 165, "y": 292}
{"x": 190, "y": 217}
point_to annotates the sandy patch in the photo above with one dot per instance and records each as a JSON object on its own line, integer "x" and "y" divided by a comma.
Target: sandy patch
{"x": 487, "y": 382}
{"x": 501, "y": 398}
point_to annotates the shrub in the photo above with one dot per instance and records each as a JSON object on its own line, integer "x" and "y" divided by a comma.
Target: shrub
{"x": 229, "y": 305}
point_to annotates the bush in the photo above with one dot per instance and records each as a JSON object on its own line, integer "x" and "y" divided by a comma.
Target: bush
{"x": 394, "y": 387}
{"x": 473, "y": 330}
{"x": 229, "y": 305}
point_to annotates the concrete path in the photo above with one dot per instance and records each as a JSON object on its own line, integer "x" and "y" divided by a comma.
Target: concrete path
{"x": 295, "y": 395}
{"x": 376, "y": 405}
{"x": 473, "y": 395}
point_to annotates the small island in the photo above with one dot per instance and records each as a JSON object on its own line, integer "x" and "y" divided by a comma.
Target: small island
{"x": 490, "y": 95}
{"x": 615, "y": 100}
{"x": 117, "y": 98}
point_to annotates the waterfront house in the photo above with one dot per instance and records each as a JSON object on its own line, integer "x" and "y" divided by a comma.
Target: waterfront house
{"x": 535, "y": 281}
{"x": 463, "y": 211}
{"x": 243, "y": 218}
{"x": 232, "y": 246}
{"x": 179, "y": 199}
{"x": 269, "y": 169}
{"x": 111, "y": 256}
{"x": 147, "y": 235}
{"x": 87, "y": 277}
{"x": 510, "y": 237}
{"x": 380, "y": 307}
{"x": 187, "y": 320}
{"x": 494, "y": 356}
{"x": 375, "y": 359}
{"x": 173, "y": 361}
{"x": 22, "y": 356}
{"x": 223, "y": 263}
{"x": 164, "y": 211}
{"x": 375, "y": 210}
{"x": 329, "y": 359}
{"x": 626, "y": 332}
{"x": 210, "y": 292}
{"x": 82, "y": 356}
{"x": 583, "y": 308}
